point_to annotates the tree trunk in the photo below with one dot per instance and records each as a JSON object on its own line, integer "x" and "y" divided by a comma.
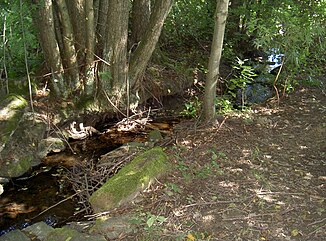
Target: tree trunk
{"x": 147, "y": 44}
{"x": 90, "y": 43}
{"x": 77, "y": 25}
{"x": 76, "y": 10}
{"x": 44, "y": 20}
{"x": 116, "y": 50}
{"x": 214, "y": 59}
{"x": 140, "y": 14}
{"x": 69, "y": 52}
{"x": 101, "y": 26}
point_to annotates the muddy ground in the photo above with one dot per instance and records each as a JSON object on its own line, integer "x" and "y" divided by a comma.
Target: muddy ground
{"x": 259, "y": 175}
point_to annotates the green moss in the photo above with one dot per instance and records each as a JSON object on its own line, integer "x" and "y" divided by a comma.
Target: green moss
{"x": 132, "y": 178}
{"x": 16, "y": 169}
{"x": 10, "y": 115}
{"x": 63, "y": 234}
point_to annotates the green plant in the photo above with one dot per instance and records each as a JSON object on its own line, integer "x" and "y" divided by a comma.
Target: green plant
{"x": 210, "y": 168}
{"x": 244, "y": 75}
{"x": 223, "y": 104}
{"x": 196, "y": 235}
{"x": 205, "y": 171}
{"x": 153, "y": 221}
{"x": 185, "y": 170}
{"x": 310, "y": 81}
{"x": 192, "y": 108}
{"x": 148, "y": 220}
{"x": 172, "y": 189}
{"x": 222, "y": 155}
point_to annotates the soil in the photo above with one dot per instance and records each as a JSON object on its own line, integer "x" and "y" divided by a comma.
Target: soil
{"x": 259, "y": 175}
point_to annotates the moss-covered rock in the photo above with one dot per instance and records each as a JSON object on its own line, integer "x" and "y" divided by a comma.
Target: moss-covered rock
{"x": 130, "y": 180}
{"x": 20, "y": 133}
{"x": 154, "y": 136}
{"x": 114, "y": 227}
{"x": 65, "y": 234}
{"x": 11, "y": 110}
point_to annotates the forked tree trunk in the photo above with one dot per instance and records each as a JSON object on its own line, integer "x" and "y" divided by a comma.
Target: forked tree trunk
{"x": 215, "y": 58}
{"x": 147, "y": 44}
{"x": 68, "y": 36}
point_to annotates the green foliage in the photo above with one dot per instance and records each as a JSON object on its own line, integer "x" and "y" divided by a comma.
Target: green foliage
{"x": 12, "y": 52}
{"x": 190, "y": 21}
{"x": 149, "y": 221}
{"x": 289, "y": 85}
{"x": 295, "y": 28}
{"x": 311, "y": 81}
{"x": 172, "y": 188}
{"x": 223, "y": 104}
{"x": 192, "y": 108}
{"x": 244, "y": 76}
{"x": 185, "y": 170}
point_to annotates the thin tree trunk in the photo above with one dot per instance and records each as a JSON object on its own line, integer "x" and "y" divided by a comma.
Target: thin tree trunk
{"x": 69, "y": 53}
{"x": 45, "y": 22}
{"x": 147, "y": 45}
{"x": 90, "y": 43}
{"x": 215, "y": 58}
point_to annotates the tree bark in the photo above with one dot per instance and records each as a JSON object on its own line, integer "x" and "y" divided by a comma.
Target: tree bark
{"x": 69, "y": 52}
{"x": 147, "y": 44}
{"x": 215, "y": 58}
{"x": 116, "y": 50}
{"x": 44, "y": 20}
{"x": 140, "y": 14}
{"x": 77, "y": 25}
{"x": 101, "y": 26}
{"x": 90, "y": 44}
{"x": 76, "y": 10}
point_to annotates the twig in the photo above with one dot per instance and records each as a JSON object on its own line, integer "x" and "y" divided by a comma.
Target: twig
{"x": 114, "y": 106}
{"x": 279, "y": 193}
{"x": 275, "y": 81}
{"x": 247, "y": 217}
{"x": 319, "y": 221}
{"x": 64, "y": 138}
{"x": 311, "y": 233}
{"x": 56, "y": 204}
{"x": 209, "y": 203}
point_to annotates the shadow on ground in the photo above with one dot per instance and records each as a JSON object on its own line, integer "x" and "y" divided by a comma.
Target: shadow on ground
{"x": 255, "y": 176}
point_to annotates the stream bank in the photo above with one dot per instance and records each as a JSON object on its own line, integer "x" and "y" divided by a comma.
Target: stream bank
{"x": 47, "y": 193}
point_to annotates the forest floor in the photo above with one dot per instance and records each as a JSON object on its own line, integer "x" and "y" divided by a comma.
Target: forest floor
{"x": 259, "y": 175}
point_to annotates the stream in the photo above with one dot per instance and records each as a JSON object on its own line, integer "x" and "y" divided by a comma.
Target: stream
{"x": 24, "y": 200}
{"x": 43, "y": 194}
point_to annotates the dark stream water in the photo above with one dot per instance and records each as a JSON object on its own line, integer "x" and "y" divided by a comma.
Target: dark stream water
{"x": 24, "y": 200}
